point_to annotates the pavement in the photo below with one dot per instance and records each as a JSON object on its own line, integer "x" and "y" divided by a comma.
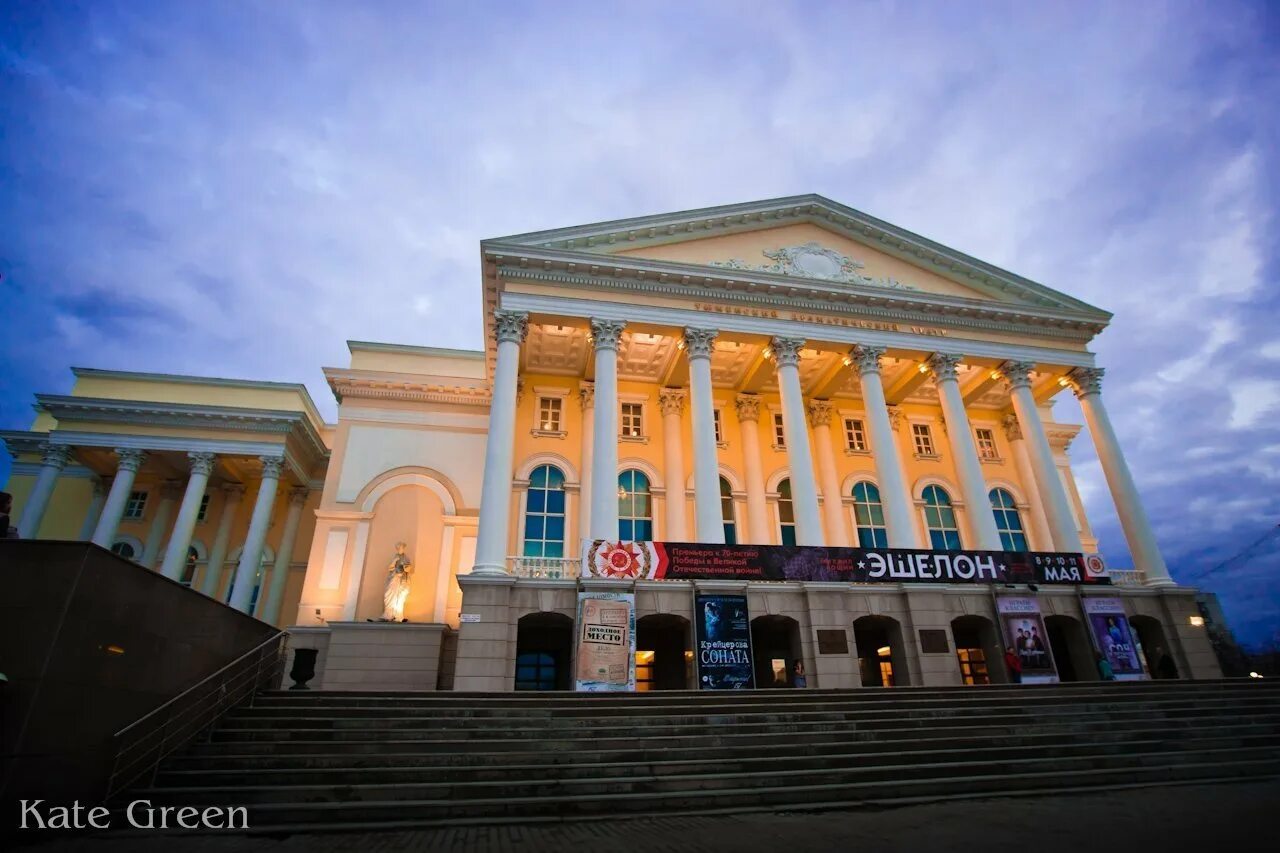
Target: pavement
{"x": 1207, "y": 818}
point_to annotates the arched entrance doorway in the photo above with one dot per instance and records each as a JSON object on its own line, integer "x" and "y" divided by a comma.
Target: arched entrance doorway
{"x": 1071, "y": 649}
{"x": 978, "y": 650}
{"x": 1153, "y": 645}
{"x": 775, "y": 648}
{"x": 664, "y": 653}
{"x": 544, "y": 652}
{"x": 882, "y": 657}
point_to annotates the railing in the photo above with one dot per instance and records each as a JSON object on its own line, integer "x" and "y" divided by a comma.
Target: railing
{"x": 545, "y": 568}
{"x": 1126, "y": 577}
{"x": 140, "y": 747}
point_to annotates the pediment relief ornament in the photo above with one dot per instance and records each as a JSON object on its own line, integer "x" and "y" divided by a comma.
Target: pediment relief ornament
{"x": 812, "y": 260}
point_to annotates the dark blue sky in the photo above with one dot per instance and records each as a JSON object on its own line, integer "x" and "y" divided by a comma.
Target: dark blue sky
{"x": 235, "y": 189}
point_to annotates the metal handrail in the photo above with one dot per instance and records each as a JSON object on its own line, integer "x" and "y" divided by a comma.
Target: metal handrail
{"x": 175, "y": 723}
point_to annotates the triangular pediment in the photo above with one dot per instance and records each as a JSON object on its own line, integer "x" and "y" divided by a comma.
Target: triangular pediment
{"x": 805, "y": 237}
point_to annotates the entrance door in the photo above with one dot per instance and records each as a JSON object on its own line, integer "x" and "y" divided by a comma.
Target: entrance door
{"x": 664, "y": 653}
{"x": 775, "y": 647}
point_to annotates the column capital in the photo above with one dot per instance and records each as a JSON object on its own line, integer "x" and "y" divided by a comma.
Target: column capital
{"x": 698, "y": 343}
{"x": 943, "y": 365}
{"x": 1017, "y": 373}
{"x": 786, "y": 351}
{"x": 510, "y": 326}
{"x": 606, "y": 333}
{"x": 1012, "y": 429}
{"x": 672, "y": 400}
{"x": 298, "y": 496}
{"x": 271, "y": 466}
{"x": 233, "y": 490}
{"x": 202, "y": 463}
{"x": 586, "y": 395}
{"x": 866, "y": 359}
{"x": 130, "y": 459}
{"x": 1086, "y": 380}
{"x": 820, "y": 412}
{"x": 171, "y": 490}
{"x": 748, "y": 406}
{"x": 55, "y": 455}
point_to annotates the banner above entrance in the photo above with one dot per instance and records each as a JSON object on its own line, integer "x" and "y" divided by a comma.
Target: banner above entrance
{"x": 696, "y": 561}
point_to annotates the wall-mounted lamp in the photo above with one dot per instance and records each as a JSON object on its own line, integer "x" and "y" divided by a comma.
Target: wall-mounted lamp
{"x": 1197, "y": 621}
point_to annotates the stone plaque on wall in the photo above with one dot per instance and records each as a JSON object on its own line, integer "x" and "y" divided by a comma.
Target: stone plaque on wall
{"x": 933, "y": 641}
{"x": 833, "y": 642}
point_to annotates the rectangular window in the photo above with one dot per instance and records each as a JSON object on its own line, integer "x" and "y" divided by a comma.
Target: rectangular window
{"x": 986, "y": 444}
{"x": 632, "y": 420}
{"x": 923, "y": 439}
{"x": 779, "y": 434}
{"x": 715, "y": 418}
{"x": 204, "y": 508}
{"x": 549, "y": 411}
{"x": 855, "y": 437}
{"x": 136, "y": 505}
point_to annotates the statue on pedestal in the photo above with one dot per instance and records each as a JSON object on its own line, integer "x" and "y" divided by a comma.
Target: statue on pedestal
{"x": 397, "y": 589}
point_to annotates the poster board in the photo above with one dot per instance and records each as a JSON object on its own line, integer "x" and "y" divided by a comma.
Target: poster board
{"x": 606, "y": 643}
{"x": 1113, "y": 636}
{"x": 1024, "y": 630}
{"x": 723, "y": 637}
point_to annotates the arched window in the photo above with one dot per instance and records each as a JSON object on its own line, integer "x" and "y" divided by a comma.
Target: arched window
{"x": 1008, "y": 522}
{"x": 786, "y": 514}
{"x": 869, "y": 515}
{"x": 189, "y": 570}
{"x": 544, "y": 513}
{"x": 940, "y": 518}
{"x": 635, "y": 508}
{"x": 124, "y": 549}
{"x": 726, "y": 509}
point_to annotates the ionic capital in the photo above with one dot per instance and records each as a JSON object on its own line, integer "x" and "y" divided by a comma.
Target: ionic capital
{"x": 587, "y": 395}
{"x": 510, "y": 326}
{"x": 55, "y": 455}
{"x": 672, "y": 400}
{"x": 271, "y": 466}
{"x": 698, "y": 343}
{"x": 202, "y": 463}
{"x": 1086, "y": 380}
{"x": 943, "y": 365}
{"x": 1017, "y": 374}
{"x": 605, "y": 334}
{"x": 866, "y": 359}
{"x": 748, "y": 406}
{"x": 130, "y": 459}
{"x": 787, "y": 351}
{"x": 820, "y": 412}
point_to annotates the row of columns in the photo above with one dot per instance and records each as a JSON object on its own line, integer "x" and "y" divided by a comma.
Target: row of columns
{"x": 102, "y": 525}
{"x": 1033, "y": 455}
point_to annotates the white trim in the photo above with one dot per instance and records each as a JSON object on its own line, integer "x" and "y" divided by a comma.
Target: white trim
{"x": 526, "y": 468}
{"x": 735, "y": 482}
{"x": 32, "y": 469}
{"x": 846, "y": 488}
{"x": 917, "y": 490}
{"x": 771, "y": 483}
{"x": 410, "y": 479}
{"x": 655, "y": 478}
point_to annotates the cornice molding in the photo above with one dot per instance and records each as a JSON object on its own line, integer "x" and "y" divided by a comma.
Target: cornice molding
{"x": 352, "y": 384}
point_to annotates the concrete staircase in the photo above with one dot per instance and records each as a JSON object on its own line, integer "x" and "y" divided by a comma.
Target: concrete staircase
{"x": 309, "y": 761}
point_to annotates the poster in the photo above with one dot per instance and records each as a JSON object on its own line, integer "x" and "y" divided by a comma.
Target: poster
{"x": 1024, "y": 630}
{"x": 705, "y": 561}
{"x": 724, "y": 642}
{"x": 1113, "y": 636}
{"x": 606, "y": 654}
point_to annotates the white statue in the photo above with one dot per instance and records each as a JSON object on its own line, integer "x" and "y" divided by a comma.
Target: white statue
{"x": 397, "y": 589}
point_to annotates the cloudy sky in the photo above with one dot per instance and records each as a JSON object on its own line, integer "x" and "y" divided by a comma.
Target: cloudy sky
{"x": 236, "y": 189}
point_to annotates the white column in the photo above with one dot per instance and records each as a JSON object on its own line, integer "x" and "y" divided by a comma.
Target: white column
{"x": 899, "y": 518}
{"x": 982, "y": 523}
{"x": 1061, "y": 525}
{"x": 1087, "y": 383}
{"x": 95, "y": 510}
{"x": 232, "y": 495}
{"x": 251, "y": 556}
{"x": 748, "y": 406}
{"x": 1042, "y": 539}
{"x": 118, "y": 497}
{"x": 698, "y": 345}
{"x": 510, "y": 328}
{"x": 671, "y": 400}
{"x": 55, "y": 459}
{"x": 837, "y": 522}
{"x": 804, "y": 491}
{"x": 170, "y": 491}
{"x": 284, "y": 556}
{"x": 604, "y": 454}
{"x": 175, "y": 556}
{"x": 587, "y": 398}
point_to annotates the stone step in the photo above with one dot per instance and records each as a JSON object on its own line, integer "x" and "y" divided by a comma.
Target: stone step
{"x": 199, "y": 765}
{"x": 388, "y": 814}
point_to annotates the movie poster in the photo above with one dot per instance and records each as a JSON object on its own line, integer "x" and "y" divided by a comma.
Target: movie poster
{"x": 606, "y": 656}
{"x": 1024, "y": 630}
{"x": 1114, "y": 636}
{"x": 724, "y": 642}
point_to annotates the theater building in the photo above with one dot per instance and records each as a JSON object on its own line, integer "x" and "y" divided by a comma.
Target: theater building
{"x": 789, "y": 373}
